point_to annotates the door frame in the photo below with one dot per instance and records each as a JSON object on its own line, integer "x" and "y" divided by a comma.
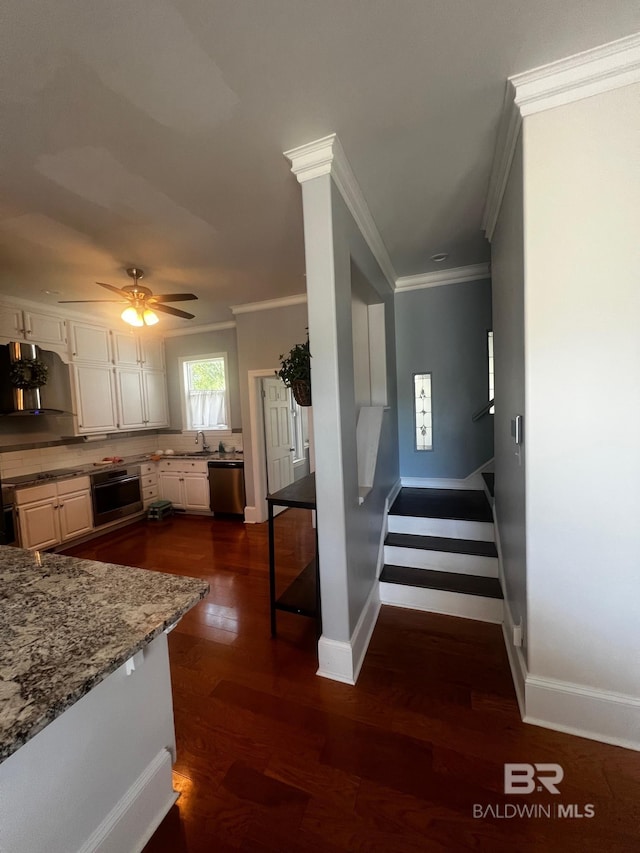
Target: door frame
{"x": 258, "y": 512}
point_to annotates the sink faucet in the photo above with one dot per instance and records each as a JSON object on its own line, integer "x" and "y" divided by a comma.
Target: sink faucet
{"x": 205, "y": 446}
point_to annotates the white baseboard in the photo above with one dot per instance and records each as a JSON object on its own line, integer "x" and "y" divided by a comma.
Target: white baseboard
{"x": 134, "y": 819}
{"x": 448, "y": 528}
{"x": 583, "y": 711}
{"x": 342, "y": 661}
{"x": 395, "y": 491}
{"x": 441, "y": 561}
{"x": 441, "y": 601}
{"x": 473, "y": 482}
{"x": 252, "y": 515}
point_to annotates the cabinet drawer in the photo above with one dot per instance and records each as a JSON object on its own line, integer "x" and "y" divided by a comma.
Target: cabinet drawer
{"x": 76, "y": 484}
{"x": 148, "y": 468}
{"x": 36, "y": 493}
{"x": 150, "y": 493}
{"x": 148, "y": 481}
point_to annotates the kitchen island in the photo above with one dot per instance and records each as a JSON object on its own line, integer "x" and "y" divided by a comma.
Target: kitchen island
{"x": 86, "y": 715}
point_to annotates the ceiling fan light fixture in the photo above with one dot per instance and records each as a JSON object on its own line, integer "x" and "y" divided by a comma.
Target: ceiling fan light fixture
{"x": 132, "y": 316}
{"x": 149, "y": 317}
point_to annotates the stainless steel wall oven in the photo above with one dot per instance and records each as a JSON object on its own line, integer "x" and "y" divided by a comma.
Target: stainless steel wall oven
{"x": 116, "y": 493}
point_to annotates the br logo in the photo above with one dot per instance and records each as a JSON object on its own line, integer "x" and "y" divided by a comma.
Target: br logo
{"x": 527, "y": 778}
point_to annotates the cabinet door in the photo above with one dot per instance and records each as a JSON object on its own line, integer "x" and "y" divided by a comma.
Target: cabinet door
{"x": 90, "y": 343}
{"x": 126, "y": 349}
{"x": 196, "y": 491}
{"x": 94, "y": 398}
{"x": 152, "y": 353}
{"x": 11, "y": 323}
{"x": 39, "y": 524}
{"x": 45, "y": 329}
{"x": 75, "y": 514}
{"x": 171, "y": 487}
{"x": 155, "y": 398}
{"x": 129, "y": 390}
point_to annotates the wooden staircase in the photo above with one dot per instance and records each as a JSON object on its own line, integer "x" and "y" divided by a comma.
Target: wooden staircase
{"x": 440, "y": 554}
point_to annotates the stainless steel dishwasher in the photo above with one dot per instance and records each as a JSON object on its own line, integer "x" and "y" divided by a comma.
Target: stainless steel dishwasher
{"x": 226, "y": 487}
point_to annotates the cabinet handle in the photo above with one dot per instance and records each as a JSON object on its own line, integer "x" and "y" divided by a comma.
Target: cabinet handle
{"x": 75, "y": 354}
{"x": 60, "y": 506}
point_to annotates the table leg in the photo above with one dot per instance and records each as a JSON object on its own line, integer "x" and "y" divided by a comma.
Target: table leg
{"x": 272, "y": 571}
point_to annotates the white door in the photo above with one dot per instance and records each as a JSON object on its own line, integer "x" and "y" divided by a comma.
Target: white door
{"x": 75, "y": 514}
{"x": 39, "y": 525}
{"x": 277, "y": 434}
{"x": 90, "y": 343}
{"x": 196, "y": 491}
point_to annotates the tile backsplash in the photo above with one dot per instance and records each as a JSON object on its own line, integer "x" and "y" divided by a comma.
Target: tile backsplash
{"x": 16, "y": 462}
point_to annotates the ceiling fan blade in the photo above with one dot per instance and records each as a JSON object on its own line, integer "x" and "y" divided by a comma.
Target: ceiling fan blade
{"x": 173, "y": 297}
{"x": 115, "y": 301}
{"x": 176, "y": 312}
{"x": 117, "y": 290}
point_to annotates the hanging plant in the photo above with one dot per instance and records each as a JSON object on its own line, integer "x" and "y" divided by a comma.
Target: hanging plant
{"x": 295, "y": 372}
{"x": 28, "y": 373}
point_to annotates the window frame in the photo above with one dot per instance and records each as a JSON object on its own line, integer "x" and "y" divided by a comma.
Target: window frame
{"x": 428, "y": 373}
{"x": 182, "y": 362}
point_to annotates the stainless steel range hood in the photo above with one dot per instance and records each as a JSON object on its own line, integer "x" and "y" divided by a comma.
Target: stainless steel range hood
{"x": 53, "y": 398}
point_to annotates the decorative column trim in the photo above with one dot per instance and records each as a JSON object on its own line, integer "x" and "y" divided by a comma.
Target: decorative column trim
{"x": 326, "y": 157}
{"x": 601, "y": 69}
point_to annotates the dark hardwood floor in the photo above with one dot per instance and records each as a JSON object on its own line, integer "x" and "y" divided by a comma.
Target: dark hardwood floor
{"x": 273, "y": 758}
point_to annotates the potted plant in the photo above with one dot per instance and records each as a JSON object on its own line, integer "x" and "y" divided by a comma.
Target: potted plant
{"x": 295, "y": 372}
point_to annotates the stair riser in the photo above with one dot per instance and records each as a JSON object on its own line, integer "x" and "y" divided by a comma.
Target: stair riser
{"x": 444, "y": 561}
{"x": 449, "y": 528}
{"x": 438, "y": 601}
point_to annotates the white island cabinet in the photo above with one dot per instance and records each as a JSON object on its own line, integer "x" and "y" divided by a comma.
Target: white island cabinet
{"x": 52, "y": 513}
{"x": 86, "y": 732}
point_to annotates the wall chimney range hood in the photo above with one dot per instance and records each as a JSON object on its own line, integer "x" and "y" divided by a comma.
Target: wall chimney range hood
{"x": 53, "y": 398}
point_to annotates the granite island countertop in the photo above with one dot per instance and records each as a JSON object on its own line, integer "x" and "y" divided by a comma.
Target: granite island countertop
{"x": 67, "y": 624}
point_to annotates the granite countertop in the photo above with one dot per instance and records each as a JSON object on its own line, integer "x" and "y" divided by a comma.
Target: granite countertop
{"x": 37, "y": 478}
{"x": 67, "y": 624}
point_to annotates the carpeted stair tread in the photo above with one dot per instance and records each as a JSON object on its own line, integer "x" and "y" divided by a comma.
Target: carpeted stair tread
{"x": 443, "y": 503}
{"x": 440, "y": 543}
{"x": 490, "y": 480}
{"x": 446, "y": 581}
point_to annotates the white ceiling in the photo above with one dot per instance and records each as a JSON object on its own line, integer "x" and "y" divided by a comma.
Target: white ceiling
{"x": 151, "y": 132}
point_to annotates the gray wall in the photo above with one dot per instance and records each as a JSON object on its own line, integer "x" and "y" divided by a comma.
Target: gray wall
{"x": 507, "y": 262}
{"x": 262, "y": 337}
{"x": 202, "y": 344}
{"x": 443, "y": 330}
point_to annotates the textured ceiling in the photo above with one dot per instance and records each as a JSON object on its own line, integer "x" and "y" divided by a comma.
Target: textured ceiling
{"x": 150, "y": 132}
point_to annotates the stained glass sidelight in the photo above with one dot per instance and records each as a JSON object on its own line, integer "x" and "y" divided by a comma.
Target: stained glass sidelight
{"x": 422, "y": 401}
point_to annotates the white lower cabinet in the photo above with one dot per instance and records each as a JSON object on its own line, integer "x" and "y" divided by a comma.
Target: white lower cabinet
{"x": 54, "y": 513}
{"x": 186, "y": 484}
{"x": 149, "y": 483}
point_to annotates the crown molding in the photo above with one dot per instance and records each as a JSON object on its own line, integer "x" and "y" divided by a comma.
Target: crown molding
{"x": 457, "y": 275}
{"x": 268, "y": 304}
{"x": 592, "y": 72}
{"x": 326, "y": 157}
{"x": 196, "y": 330}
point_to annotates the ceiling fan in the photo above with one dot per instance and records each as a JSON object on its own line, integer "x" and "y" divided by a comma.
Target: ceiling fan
{"x": 140, "y": 301}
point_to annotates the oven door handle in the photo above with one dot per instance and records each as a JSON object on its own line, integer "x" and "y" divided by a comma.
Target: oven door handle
{"x": 117, "y": 482}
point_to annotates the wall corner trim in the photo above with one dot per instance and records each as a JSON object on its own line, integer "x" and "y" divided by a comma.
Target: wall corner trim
{"x": 326, "y": 157}
{"x": 342, "y": 661}
{"x": 269, "y": 304}
{"x": 438, "y": 278}
{"x": 600, "y": 69}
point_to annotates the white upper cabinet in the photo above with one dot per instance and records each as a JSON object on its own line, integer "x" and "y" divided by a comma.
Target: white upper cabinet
{"x": 126, "y": 349}
{"x": 94, "y": 398}
{"x": 88, "y": 342}
{"x": 31, "y": 326}
{"x": 130, "y": 393}
{"x": 152, "y": 350}
{"x": 155, "y": 398}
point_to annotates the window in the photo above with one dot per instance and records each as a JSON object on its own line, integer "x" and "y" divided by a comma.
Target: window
{"x": 422, "y": 409}
{"x": 205, "y": 392}
{"x": 491, "y": 371}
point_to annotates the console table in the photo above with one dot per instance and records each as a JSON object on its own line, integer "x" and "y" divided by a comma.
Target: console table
{"x": 302, "y": 596}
